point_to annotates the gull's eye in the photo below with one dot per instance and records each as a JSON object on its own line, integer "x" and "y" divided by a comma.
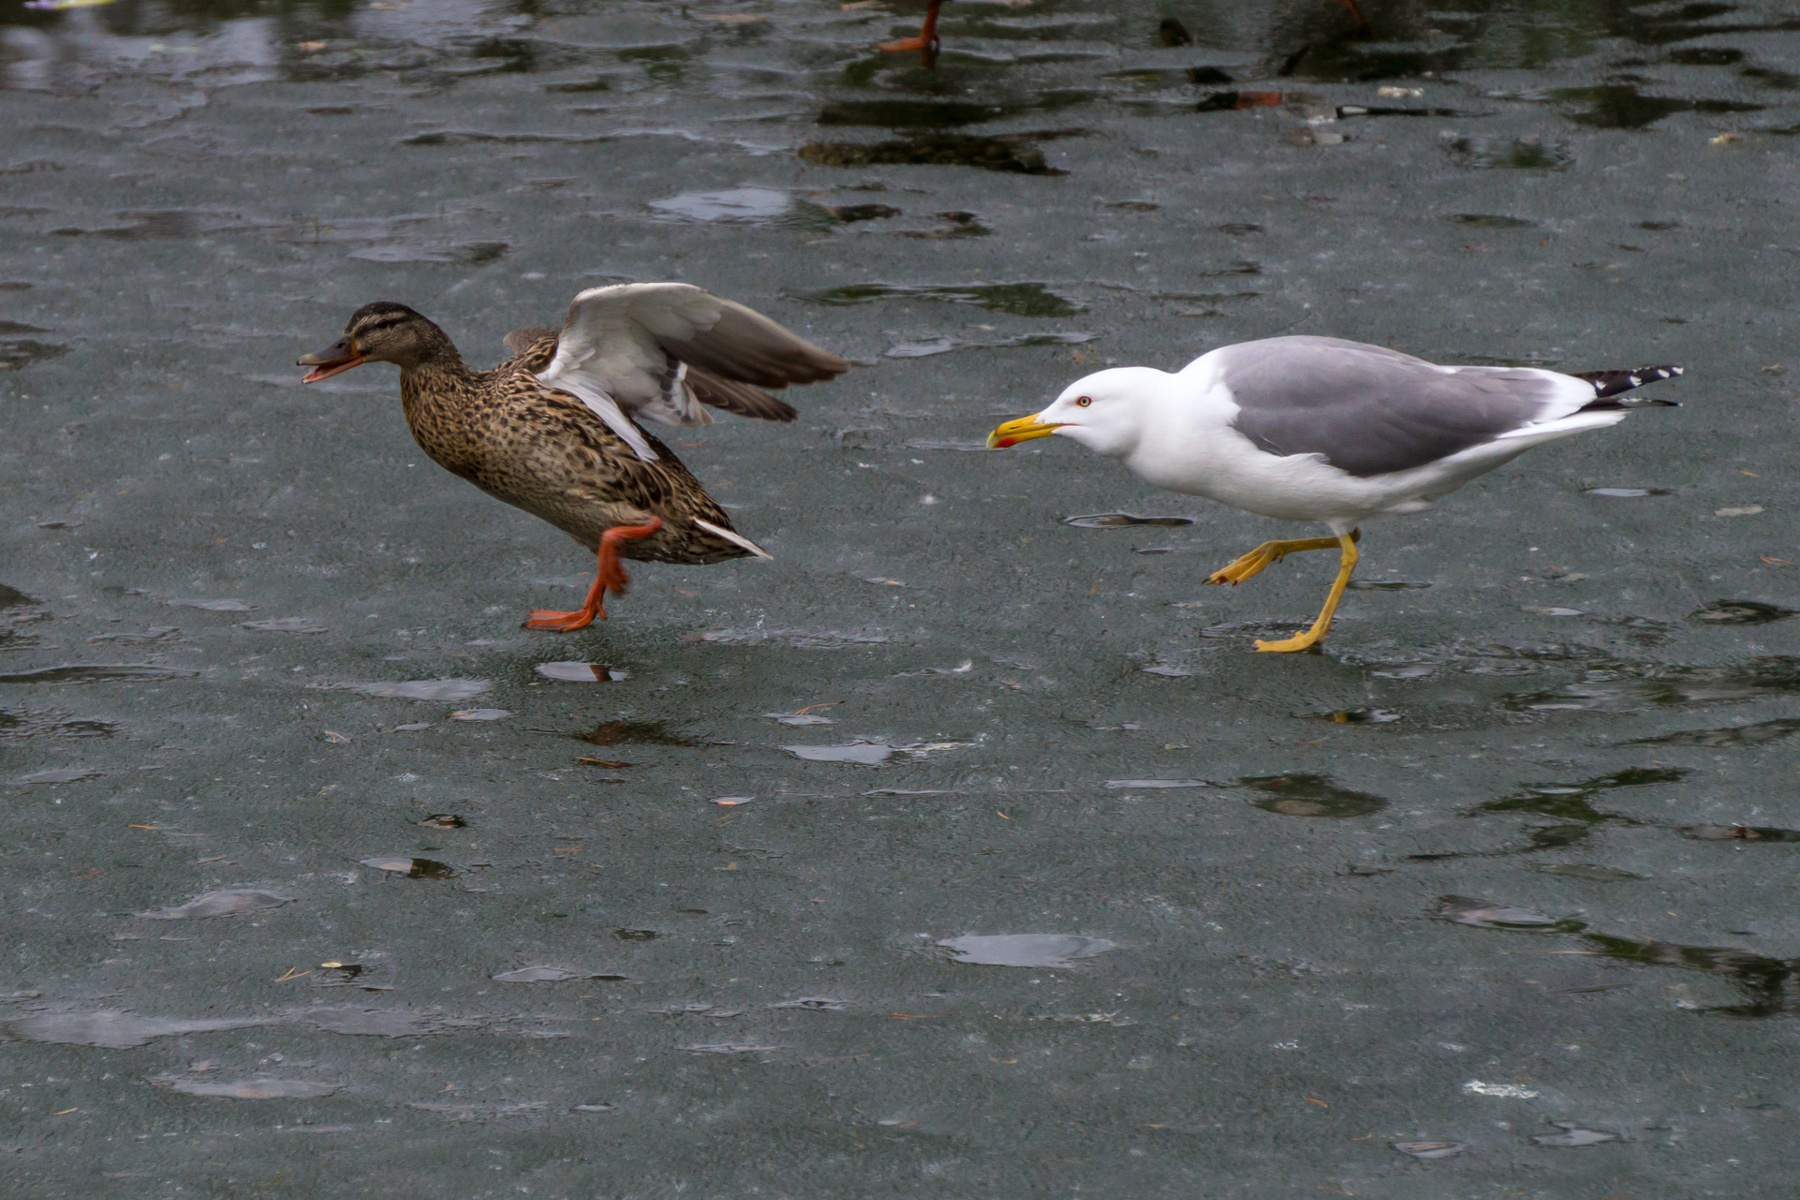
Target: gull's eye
{"x": 1083, "y": 401}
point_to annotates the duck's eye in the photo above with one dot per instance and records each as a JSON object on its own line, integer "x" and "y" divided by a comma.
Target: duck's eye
{"x": 1083, "y": 401}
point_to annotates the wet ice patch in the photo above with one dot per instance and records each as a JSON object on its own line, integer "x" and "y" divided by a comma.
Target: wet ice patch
{"x": 1523, "y": 154}
{"x": 412, "y": 868}
{"x": 799, "y": 639}
{"x": 214, "y": 605}
{"x": 1312, "y": 796}
{"x": 1484, "y": 914}
{"x": 115, "y": 1030}
{"x": 1738, "y": 833}
{"x": 1504, "y": 1091}
{"x": 249, "y": 1089}
{"x": 1588, "y": 871}
{"x": 1156, "y": 783}
{"x": 1741, "y": 612}
{"x": 582, "y": 672}
{"x": 481, "y": 714}
{"x": 387, "y": 1023}
{"x": 694, "y": 1008}
{"x": 812, "y": 1003}
{"x": 231, "y": 902}
{"x": 1019, "y": 299}
{"x": 1119, "y": 520}
{"x": 865, "y": 753}
{"x": 59, "y": 775}
{"x": 1571, "y": 1134}
{"x": 1733, "y": 735}
{"x": 945, "y": 345}
{"x": 96, "y": 672}
{"x": 301, "y": 625}
{"x": 537, "y": 975}
{"x": 432, "y": 252}
{"x": 415, "y": 689}
{"x": 743, "y": 206}
{"x": 1051, "y": 950}
{"x": 484, "y": 1112}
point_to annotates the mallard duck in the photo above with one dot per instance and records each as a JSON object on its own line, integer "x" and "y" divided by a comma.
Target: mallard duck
{"x": 1321, "y": 429}
{"x": 551, "y": 430}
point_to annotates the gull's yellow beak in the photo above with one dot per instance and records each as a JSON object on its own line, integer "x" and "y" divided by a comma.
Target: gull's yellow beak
{"x": 1021, "y": 430}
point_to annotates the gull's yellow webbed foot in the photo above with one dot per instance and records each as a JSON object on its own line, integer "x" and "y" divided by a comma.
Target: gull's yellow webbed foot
{"x": 1346, "y": 564}
{"x": 1267, "y": 554}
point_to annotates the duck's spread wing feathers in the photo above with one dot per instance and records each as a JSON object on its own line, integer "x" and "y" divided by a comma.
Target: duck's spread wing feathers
{"x": 1371, "y": 411}
{"x": 739, "y": 398}
{"x": 591, "y": 391}
{"x": 632, "y": 342}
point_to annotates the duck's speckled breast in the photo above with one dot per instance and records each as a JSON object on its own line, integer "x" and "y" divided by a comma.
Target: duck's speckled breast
{"x": 544, "y": 452}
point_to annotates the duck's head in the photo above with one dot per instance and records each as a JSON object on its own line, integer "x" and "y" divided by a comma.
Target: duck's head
{"x": 378, "y": 332}
{"x": 1105, "y": 411}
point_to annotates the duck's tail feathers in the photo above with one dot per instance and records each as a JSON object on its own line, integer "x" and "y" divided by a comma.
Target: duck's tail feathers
{"x": 1608, "y": 384}
{"x": 736, "y": 539}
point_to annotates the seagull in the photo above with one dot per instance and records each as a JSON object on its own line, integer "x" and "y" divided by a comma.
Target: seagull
{"x": 1322, "y": 429}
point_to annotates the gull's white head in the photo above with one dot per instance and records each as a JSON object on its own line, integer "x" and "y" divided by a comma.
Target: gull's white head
{"x": 1109, "y": 412}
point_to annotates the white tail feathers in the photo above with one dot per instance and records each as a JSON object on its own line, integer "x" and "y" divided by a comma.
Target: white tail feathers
{"x": 736, "y": 539}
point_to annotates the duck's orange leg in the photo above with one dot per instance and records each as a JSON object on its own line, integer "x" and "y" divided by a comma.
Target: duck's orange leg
{"x": 609, "y": 575}
{"x": 927, "y": 41}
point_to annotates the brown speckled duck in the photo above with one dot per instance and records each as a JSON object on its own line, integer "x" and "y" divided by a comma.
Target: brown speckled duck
{"x": 551, "y": 430}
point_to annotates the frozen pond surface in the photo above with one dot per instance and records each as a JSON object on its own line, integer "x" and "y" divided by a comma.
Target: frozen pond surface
{"x": 322, "y": 875}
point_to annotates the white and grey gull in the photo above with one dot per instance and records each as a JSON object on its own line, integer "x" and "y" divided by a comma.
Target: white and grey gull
{"x": 1321, "y": 429}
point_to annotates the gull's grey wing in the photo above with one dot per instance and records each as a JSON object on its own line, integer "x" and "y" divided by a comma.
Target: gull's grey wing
{"x": 1370, "y": 411}
{"x": 635, "y": 343}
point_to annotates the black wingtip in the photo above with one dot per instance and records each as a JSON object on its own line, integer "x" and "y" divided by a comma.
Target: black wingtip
{"x": 1608, "y": 384}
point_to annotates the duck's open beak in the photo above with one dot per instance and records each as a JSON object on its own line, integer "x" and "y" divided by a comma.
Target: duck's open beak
{"x": 335, "y": 359}
{"x": 1021, "y": 430}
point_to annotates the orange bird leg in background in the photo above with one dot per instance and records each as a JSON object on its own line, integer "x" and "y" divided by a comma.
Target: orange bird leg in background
{"x": 1361, "y": 21}
{"x": 608, "y": 576}
{"x": 927, "y": 41}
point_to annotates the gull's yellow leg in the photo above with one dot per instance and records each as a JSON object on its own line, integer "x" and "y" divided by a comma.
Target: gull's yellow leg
{"x": 1300, "y": 641}
{"x": 1267, "y": 554}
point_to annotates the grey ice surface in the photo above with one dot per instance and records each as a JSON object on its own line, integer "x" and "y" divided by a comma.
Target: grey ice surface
{"x": 1492, "y": 898}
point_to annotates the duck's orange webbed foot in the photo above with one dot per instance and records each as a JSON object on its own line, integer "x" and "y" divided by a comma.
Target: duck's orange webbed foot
{"x": 609, "y": 576}
{"x": 564, "y": 622}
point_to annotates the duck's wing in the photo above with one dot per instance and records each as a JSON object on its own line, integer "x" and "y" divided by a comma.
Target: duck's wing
{"x": 659, "y": 350}
{"x": 534, "y": 347}
{"x": 739, "y": 398}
